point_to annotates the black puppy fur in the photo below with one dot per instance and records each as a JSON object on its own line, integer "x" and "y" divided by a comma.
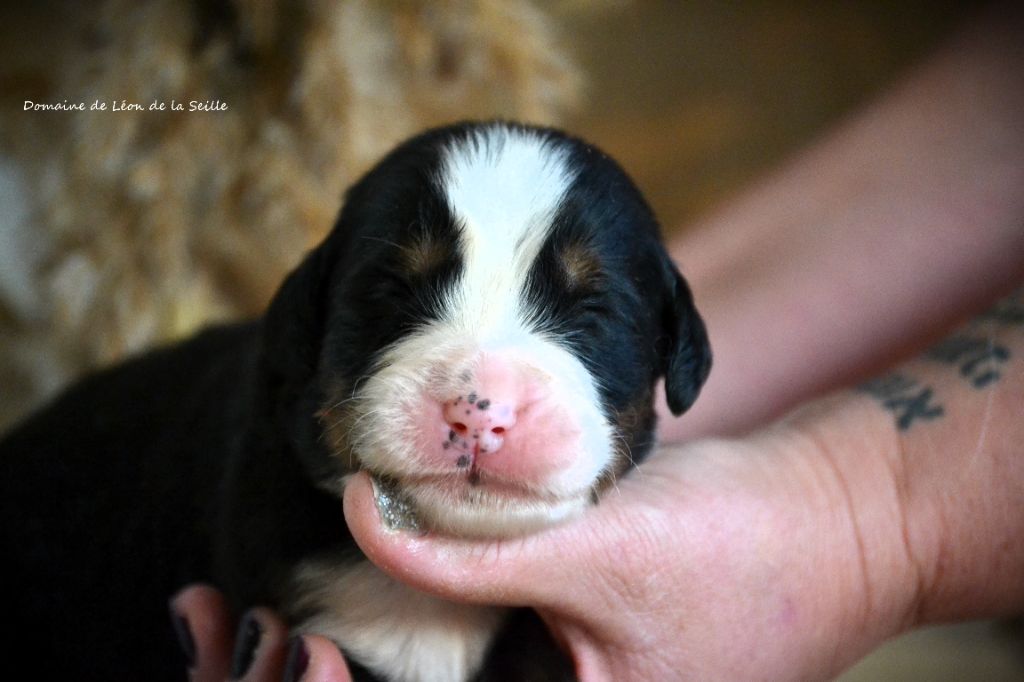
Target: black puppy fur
{"x": 208, "y": 461}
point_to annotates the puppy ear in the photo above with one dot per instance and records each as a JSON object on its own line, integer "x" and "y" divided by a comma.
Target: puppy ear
{"x": 687, "y": 355}
{"x": 294, "y": 324}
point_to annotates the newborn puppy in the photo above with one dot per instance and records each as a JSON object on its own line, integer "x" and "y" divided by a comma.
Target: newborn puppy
{"x": 482, "y": 331}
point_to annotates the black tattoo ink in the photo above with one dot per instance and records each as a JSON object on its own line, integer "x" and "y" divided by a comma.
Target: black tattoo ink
{"x": 905, "y": 398}
{"x": 978, "y": 359}
{"x": 1009, "y": 311}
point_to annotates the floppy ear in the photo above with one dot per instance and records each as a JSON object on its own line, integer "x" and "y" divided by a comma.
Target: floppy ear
{"x": 687, "y": 357}
{"x": 294, "y": 325}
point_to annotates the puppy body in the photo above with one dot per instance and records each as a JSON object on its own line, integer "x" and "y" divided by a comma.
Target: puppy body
{"x": 484, "y": 328}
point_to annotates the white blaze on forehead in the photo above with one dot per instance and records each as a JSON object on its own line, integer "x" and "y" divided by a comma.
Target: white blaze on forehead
{"x": 504, "y": 187}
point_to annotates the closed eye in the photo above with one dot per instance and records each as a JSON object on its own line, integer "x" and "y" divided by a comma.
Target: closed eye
{"x": 595, "y": 301}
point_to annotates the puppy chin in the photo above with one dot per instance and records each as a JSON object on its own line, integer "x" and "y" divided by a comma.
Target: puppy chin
{"x": 481, "y": 510}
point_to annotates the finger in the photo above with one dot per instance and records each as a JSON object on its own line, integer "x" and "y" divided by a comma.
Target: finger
{"x": 260, "y": 647}
{"x": 312, "y": 658}
{"x": 205, "y": 630}
{"x": 518, "y": 571}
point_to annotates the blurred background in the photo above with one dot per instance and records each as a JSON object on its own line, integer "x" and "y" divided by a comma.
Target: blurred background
{"x": 121, "y": 230}
{"x": 697, "y": 99}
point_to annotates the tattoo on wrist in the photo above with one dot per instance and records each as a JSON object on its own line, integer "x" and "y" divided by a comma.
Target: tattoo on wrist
{"x": 978, "y": 359}
{"x": 905, "y": 397}
{"x": 1009, "y": 311}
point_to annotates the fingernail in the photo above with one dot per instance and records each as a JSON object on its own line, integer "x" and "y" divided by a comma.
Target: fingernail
{"x": 395, "y": 509}
{"x": 248, "y": 638}
{"x": 185, "y": 641}
{"x": 297, "y": 661}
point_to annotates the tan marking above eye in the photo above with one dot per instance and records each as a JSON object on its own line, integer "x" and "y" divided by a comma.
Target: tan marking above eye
{"x": 423, "y": 255}
{"x": 580, "y": 265}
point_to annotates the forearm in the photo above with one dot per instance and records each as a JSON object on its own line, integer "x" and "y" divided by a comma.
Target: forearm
{"x": 927, "y": 463}
{"x": 908, "y": 218}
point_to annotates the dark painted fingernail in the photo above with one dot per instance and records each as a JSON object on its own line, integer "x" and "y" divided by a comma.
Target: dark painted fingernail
{"x": 248, "y": 638}
{"x": 297, "y": 662}
{"x": 184, "y": 633}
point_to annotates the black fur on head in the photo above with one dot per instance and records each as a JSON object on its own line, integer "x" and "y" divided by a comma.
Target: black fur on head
{"x": 601, "y": 284}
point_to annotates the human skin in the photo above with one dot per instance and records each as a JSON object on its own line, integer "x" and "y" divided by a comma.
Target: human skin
{"x": 212, "y": 633}
{"x": 876, "y": 240}
{"x": 860, "y": 251}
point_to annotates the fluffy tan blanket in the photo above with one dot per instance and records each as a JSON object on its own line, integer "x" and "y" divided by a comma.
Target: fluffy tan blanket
{"x": 124, "y": 228}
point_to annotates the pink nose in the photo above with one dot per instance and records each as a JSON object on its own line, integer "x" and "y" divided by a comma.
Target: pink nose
{"x": 479, "y": 421}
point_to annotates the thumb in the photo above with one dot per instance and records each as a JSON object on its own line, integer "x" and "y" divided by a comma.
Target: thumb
{"x": 512, "y": 572}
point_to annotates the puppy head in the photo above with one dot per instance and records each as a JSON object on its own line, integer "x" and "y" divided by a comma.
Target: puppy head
{"x": 484, "y": 327}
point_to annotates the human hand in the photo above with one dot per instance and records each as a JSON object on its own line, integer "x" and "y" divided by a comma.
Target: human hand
{"x": 259, "y": 651}
{"x": 745, "y": 559}
{"x": 719, "y": 560}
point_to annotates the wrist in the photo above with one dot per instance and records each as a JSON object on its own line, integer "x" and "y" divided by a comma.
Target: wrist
{"x": 854, "y": 455}
{"x": 962, "y": 485}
